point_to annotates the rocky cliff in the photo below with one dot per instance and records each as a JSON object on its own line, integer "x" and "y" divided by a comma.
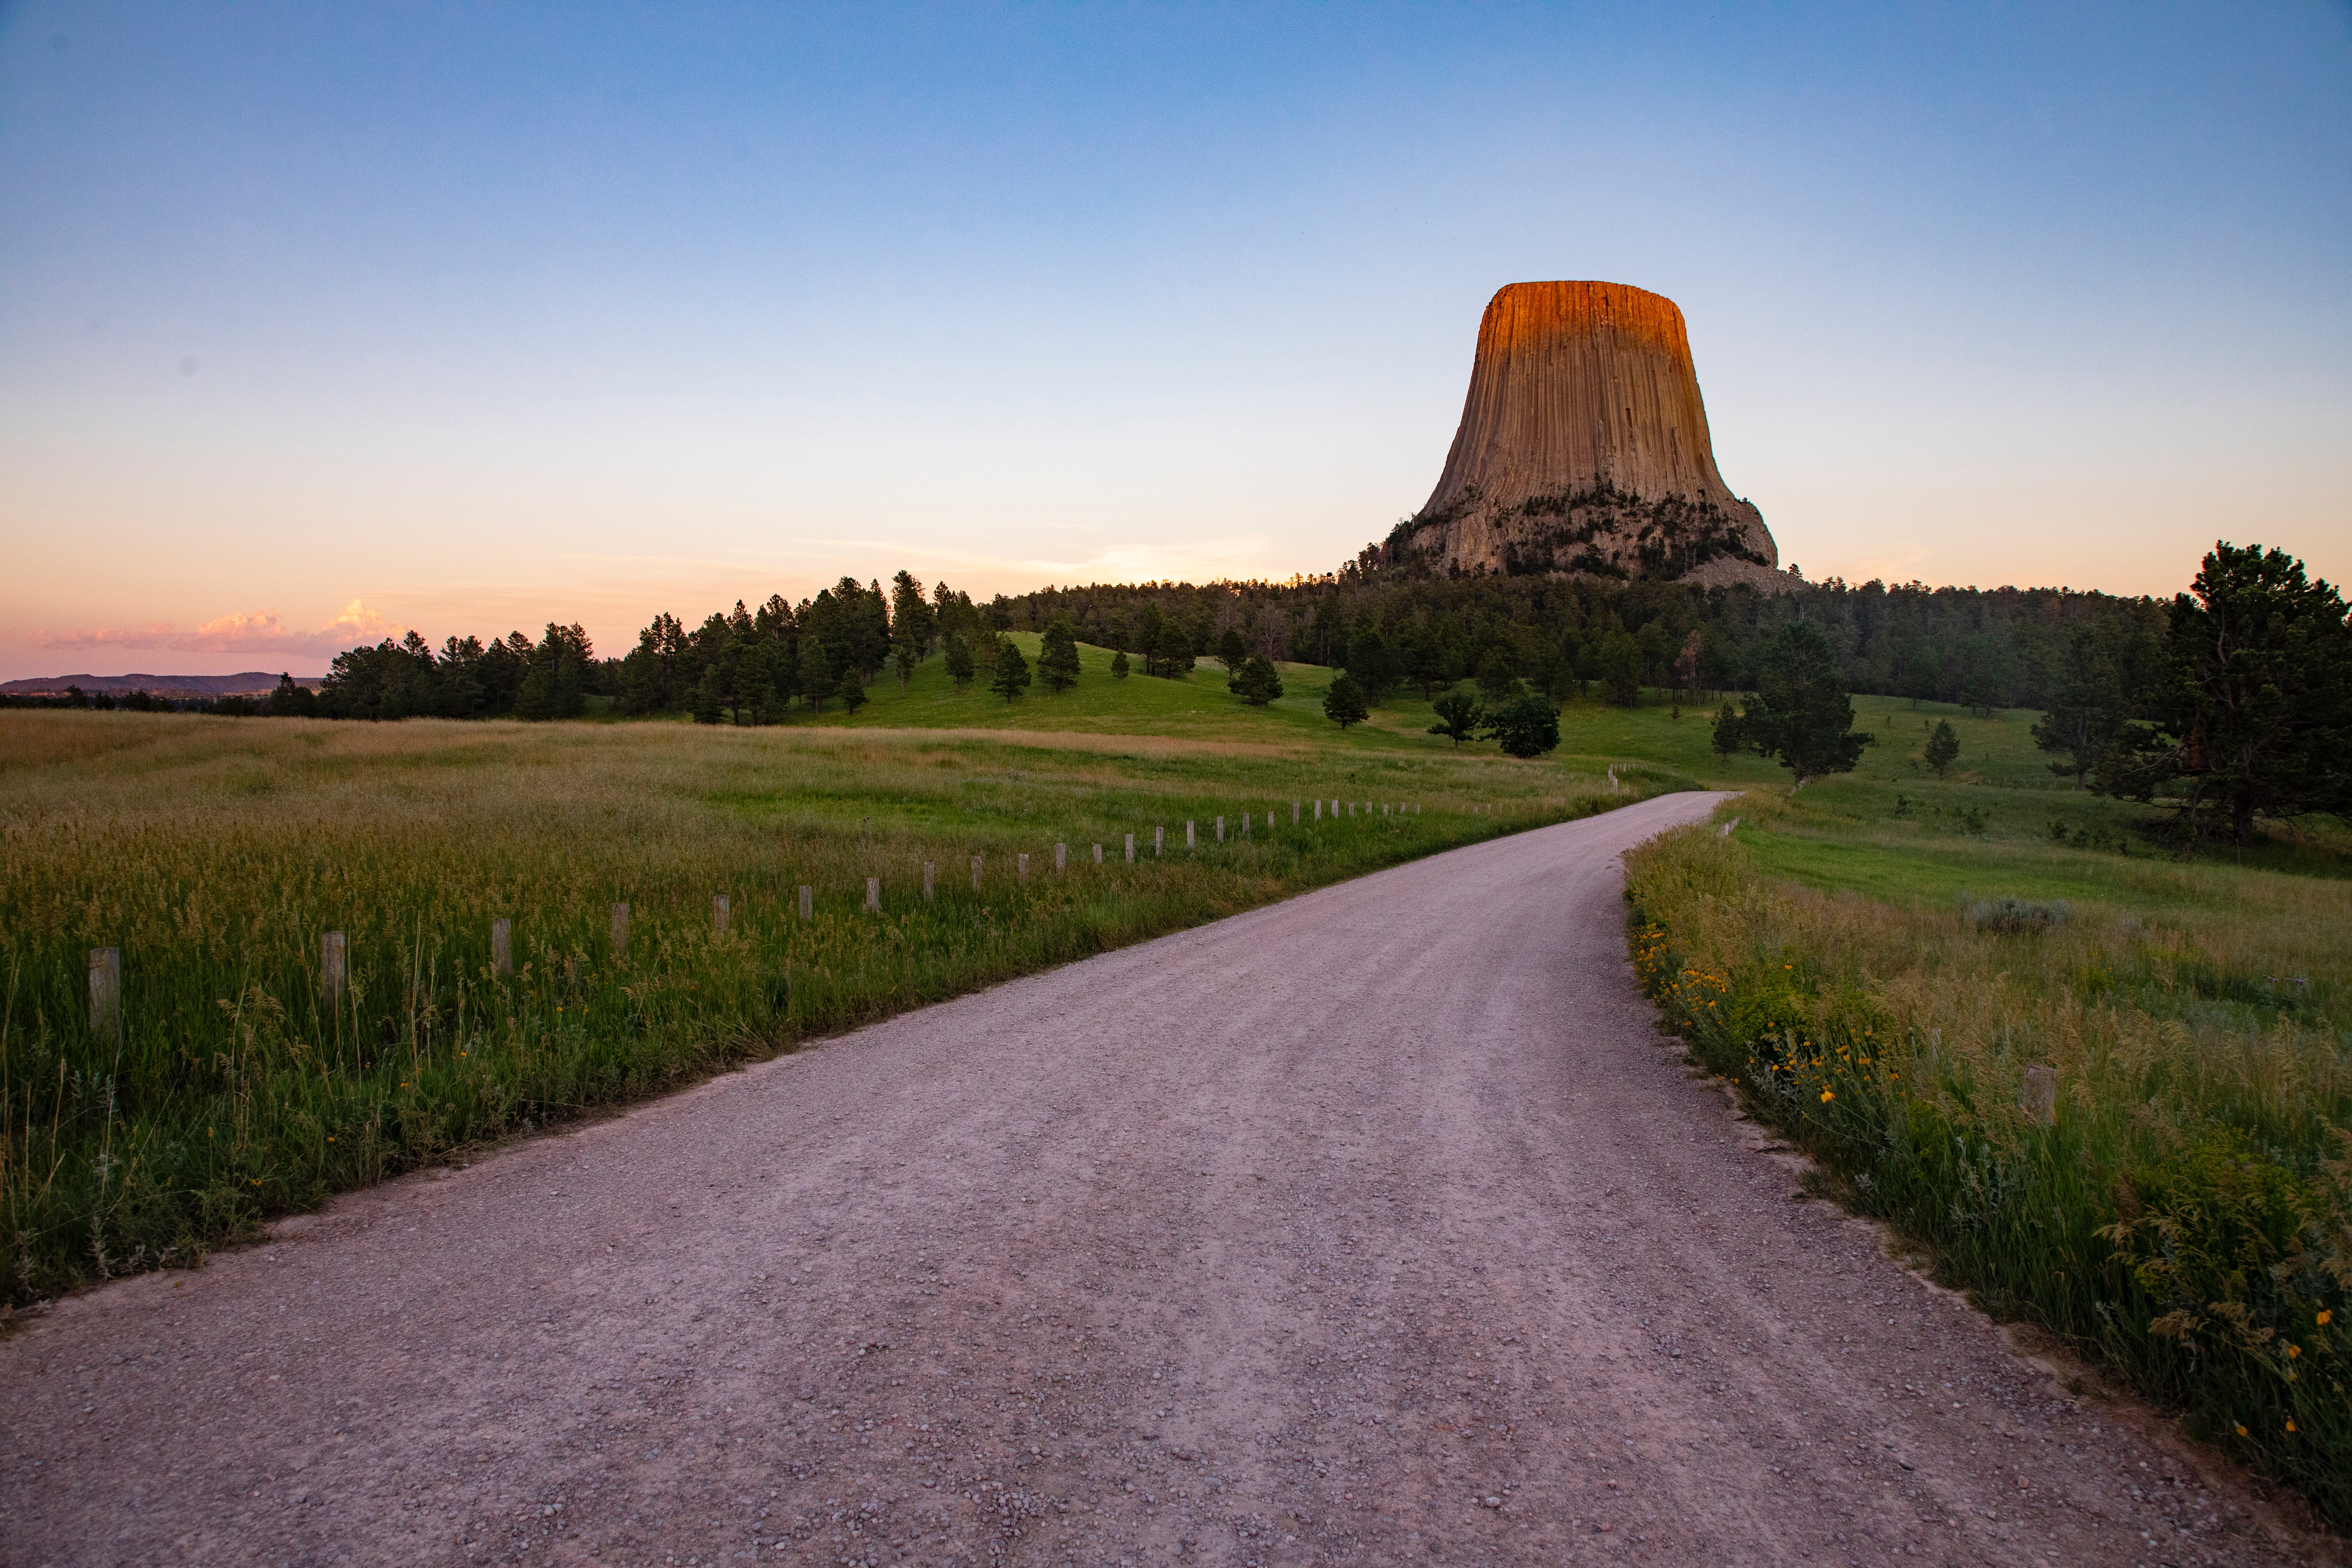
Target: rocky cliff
{"x": 1583, "y": 447}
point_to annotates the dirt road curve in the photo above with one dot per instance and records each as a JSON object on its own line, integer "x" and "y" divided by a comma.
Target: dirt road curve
{"x": 1378, "y": 1226}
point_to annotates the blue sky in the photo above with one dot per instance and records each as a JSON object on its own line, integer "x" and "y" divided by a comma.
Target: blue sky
{"x": 321, "y": 321}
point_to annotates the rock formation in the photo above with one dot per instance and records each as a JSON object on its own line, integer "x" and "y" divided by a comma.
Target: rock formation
{"x": 1583, "y": 447}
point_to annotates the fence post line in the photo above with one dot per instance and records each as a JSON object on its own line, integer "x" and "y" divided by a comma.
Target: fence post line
{"x": 1159, "y": 844}
{"x": 808, "y": 901}
{"x": 1221, "y": 830}
{"x": 1294, "y": 813}
{"x": 1189, "y": 841}
{"x": 874, "y": 894}
{"x": 1021, "y": 866}
{"x": 106, "y": 991}
{"x": 1097, "y": 854}
{"x": 927, "y": 880}
{"x": 620, "y": 930}
{"x": 1061, "y": 859}
{"x": 721, "y": 909}
{"x": 502, "y": 948}
{"x": 975, "y": 873}
{"x": 1130, "y": 848}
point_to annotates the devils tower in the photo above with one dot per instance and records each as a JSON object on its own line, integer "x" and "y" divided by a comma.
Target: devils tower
{"x": 1583, "y": 447}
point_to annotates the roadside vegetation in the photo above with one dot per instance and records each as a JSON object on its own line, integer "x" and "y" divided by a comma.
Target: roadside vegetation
{"x": 2097, "y": 1068}
{"x": 235, "y": 1081}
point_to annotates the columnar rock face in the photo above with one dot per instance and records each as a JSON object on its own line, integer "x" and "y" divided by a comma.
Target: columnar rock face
{"x": 1583, "y": 447}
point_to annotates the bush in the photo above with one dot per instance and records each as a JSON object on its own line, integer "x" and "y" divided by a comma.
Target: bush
{"x": 2014, "y": 917}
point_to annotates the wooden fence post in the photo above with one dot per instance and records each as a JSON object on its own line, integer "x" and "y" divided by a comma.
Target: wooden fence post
{"x": 808, "y": 902}
{"x": 1159, "y": 841}
{"x": 620, "y": 930}
{"x": 1221, "y": 830}
{"x": 975, "y": 873}
{"x": 874, "y": 894}
{"x": 1021, "y": 869}
{"x": 1061, "y": 859}
{"x": 927, "y": 880}
{"x": 1097, "y": 854}
{"x": 1189, "y": 842}
{"x": 1130, "y": 848}
{"x": 502, "y": 948}
{"x": 1294, "y": 813}
{"x": 105, "y": 992}
{"x": 722, "y": 909}
{"x": 2039, "y": 1097}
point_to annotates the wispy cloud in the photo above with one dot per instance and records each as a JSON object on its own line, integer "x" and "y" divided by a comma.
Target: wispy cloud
{"x": 253, "y": 634}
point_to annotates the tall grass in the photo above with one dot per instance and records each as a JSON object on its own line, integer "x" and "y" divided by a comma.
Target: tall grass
{"x": 2186, "y": 1217}
{"x": 215, "y": 854}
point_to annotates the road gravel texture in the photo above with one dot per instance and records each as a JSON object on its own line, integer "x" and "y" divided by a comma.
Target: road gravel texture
{"x": 1379, "y": 1226}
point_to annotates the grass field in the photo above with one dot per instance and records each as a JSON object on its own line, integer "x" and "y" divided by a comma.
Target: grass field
{"x": 1890, "y": 964}
{"x": 218, "y": 854}
{"x": 2186, "y": 1218}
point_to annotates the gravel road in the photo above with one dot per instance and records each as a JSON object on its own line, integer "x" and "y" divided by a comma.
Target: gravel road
{"x": 1375, "y": 1226}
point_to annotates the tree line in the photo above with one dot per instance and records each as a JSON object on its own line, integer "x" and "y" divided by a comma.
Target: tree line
{"x": 2229, "y": 702}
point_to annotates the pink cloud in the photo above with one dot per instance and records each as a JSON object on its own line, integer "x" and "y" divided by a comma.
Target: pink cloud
{"x": 259, "y": 632}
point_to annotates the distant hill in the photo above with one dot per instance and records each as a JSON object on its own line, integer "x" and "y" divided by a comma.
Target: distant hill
{"x": 249, "y": 684}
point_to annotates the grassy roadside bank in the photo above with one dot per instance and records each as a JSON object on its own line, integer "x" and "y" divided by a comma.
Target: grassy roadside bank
{"x": 2109, "y": 1091}
{"x": 216, "y": 854}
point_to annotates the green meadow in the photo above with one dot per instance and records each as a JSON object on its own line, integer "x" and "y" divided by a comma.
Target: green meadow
{"x": 238, "y": 1079}
{"x": 2100, "y": 1086}
{"x": 2103, "y": 1087}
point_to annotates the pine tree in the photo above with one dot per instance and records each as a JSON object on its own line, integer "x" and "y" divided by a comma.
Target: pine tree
{"x": 1459, "y": 716}
{"x": 1943, "y": 746}
{"x": 1344, "y": 703}
{"x": 2252, "y": 713}
{"x": 1257, "y": 682}
{"x": 960, "y": 665}
{"x": 710, "y": 695}
{"x": 2086, "y": 706}
{"x": 1802, "y": 713}
{"x": 1231, "y": 651}
{"x": 1057, "y": 656}
{"x": 1119, "y": 667}
{"x": 1013, "y": 676}
{"x": 1497, "y": 676}
{"x": 1620, "y": 670}
{"x": 1171, "y": 655}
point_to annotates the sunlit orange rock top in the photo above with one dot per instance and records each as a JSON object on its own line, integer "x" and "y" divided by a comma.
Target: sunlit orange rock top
{"x": 1584, "y": 421}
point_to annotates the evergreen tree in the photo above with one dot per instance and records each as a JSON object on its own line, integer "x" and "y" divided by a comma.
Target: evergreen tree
{"x": 1057, "y": 656}
{"x": 1173, "y": 653}
{"x": 1620, "y": 670}
{"x": 1257, "y": 682}
{"x": 710, "y": 695}
{"x": 1459, "y": 717}
{"x": 2253, "y": 714}
{"x": 1498, "y": 677}
{"x": 1526, "y": 726}
{"x": 291, "y": 700}
{"x": 1119, "y": 667}
{"x": 960, "y": 661}
{"x": 852, "y": 692}
{"x": 1728, "y": 738}
{"x": 1373, "y": 665}
{"x": 816, "y": 675}
{"x": 1943, "y": 746}
{"x": 1802, "y": 713}
{"x": 1231, "y": 651}
{"x": 1344, "y": 702}
{"x": 2086, "y": 707}
{"x": 1013, "y": 676}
